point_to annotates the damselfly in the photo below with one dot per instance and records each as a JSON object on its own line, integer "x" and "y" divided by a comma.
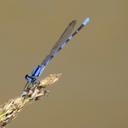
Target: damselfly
{"x": 67, "y": 35}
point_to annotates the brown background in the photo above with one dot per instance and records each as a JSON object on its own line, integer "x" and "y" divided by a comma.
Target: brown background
{"x": 93, "y": 91}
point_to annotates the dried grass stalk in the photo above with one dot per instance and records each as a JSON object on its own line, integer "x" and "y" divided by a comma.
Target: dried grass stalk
{"x": 9, "y": 110}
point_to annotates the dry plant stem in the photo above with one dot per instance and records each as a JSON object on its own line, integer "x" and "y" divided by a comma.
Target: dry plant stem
{"x": 9, "y": 110}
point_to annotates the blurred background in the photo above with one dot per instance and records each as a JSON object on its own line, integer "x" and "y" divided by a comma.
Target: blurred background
{"x": 93, "y": 90}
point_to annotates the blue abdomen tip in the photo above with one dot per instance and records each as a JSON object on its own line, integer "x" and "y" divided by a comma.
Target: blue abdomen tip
{"x": 86, "y": 21}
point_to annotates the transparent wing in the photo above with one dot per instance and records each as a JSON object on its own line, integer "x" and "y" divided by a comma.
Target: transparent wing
{"x": 67, "y": 32}
{"x": 61, "y": 41}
